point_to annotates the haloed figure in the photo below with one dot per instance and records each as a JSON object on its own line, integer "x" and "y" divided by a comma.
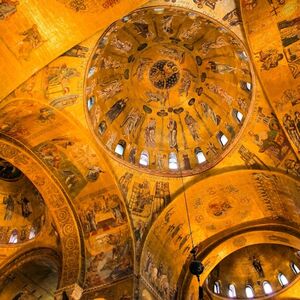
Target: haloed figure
{"x": 172, "y": 126}
{"x": 116, "y": 109}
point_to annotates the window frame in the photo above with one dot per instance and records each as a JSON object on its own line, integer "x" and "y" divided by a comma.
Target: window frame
{"x": 249, "y": 287}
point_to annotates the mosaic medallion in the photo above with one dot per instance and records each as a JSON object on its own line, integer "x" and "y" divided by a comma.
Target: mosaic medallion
{"x": 164, "y": 74}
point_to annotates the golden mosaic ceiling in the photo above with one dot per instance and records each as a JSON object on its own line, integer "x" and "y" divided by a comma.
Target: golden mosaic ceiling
{"x": 254, "y": 266}
{"x": 168, "y": 89}
{"x": 22, "y": 208}
{"x": 104, "y": 130}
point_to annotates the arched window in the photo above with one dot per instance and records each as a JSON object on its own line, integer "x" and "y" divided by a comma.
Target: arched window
{"x": 222, "y": 138}
{"x": 246, "y": 86}
{"x": 125, "y": 19}
{"x": 13, "y": 237}
{"x": 200, "y": 155}
{"x": 102, "y": 127}
{"x": 249, "y": 291}
{"x": 295, "y": 268}
{"x": 90, "y": 102}
{"x": 242, "y": 55}
{"x": 173, "y": 163}
{"x": 217, "y": 287}
{"x": 231, "y": 291}
{"x": 144, "y": 158}
{"x": 282, "y": 280}
{"x": 92, "y": 71}
{"x": 238, "y": 116}
{"x": 32, "y": 233}
{"x": 159, "y": 10}
{"x": 267, "y": 288}
{"x": 120, "y": 148}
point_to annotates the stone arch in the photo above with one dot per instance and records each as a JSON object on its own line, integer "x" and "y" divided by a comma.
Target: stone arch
{"x": 253, "y": 234}
{"x": 51, "y": 136}
{"x": 32, "y": 274}
{"x": 22, "y": 258}
{"x": 217, "y": 205}
{"x": 57, "y": 203}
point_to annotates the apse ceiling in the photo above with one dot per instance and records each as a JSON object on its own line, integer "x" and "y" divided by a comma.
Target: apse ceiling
{"x": 168, "y": 90}
{"x": 22, "y": 210}
{"x": 263, "y": 268}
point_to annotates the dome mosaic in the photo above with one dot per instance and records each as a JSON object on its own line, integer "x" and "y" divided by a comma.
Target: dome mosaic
{"x": 256, "y": 271}
{"x": 168, "y": 90}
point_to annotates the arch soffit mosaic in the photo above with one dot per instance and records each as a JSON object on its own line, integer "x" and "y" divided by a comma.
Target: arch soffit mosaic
{"x": 79, "y": 169}
{"x": 279, "y": 61}
{"x": 23, "y": 214}
{"x": 227, "y": 208}
{"x": 56, "y": 202}
{"x": 27, "y": 42}
{"x": 39, "y": 254}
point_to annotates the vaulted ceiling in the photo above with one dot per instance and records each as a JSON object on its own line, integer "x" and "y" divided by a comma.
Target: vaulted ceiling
{"x": 133, "y": 132}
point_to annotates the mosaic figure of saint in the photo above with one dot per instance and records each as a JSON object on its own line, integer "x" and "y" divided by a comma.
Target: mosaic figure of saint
{"x": 116, "y": 109}
{"x": 172, "y": 126}
{"x": 124, "y": 47}
{"x": 31, "y": 40}
{"x": 131, "y": 122}
{"x": 270, "y": 58}
{"x": 8, "y": 201}
{"x": 110, "y": 89}
{"x": 7, "y": 8}
{"x": 290, "y": 126}
{"x": 25, "y": 205}
{"x": 150, "y": 133}
{"x": 192, "y": 126}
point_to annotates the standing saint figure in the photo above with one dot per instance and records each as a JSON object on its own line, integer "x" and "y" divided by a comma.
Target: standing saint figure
{"x": 192, "y": 125}
{"x": 257, "y": 266}
{"x": 10, "y": 205}
{"x": 26, "y": 207}
{"x": 150, "y": 133}
{"x": 131, "y": 122}
{"x": 172, "y": 126}
{"x": 116, "y": 109}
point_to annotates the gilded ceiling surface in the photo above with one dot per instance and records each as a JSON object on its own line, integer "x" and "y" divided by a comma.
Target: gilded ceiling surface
{"x": 166, "y": 95}
{"x": 33, "y": 34}
{"x": 34, "y": 280}
{"x": 144, "y": 133}
{"x": 22, "y": 207}
{"x": 277, "y": 55}
{"x": 227, "y": 202}
{"x": 257, "y": 268}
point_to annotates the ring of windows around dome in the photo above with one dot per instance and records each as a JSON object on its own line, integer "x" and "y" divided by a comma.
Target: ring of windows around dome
{"x": 168, "y": 104}
{"x": 266, "y": 288}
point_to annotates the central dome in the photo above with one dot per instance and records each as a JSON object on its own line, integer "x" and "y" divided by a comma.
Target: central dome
{"x": 168, "y": 90}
